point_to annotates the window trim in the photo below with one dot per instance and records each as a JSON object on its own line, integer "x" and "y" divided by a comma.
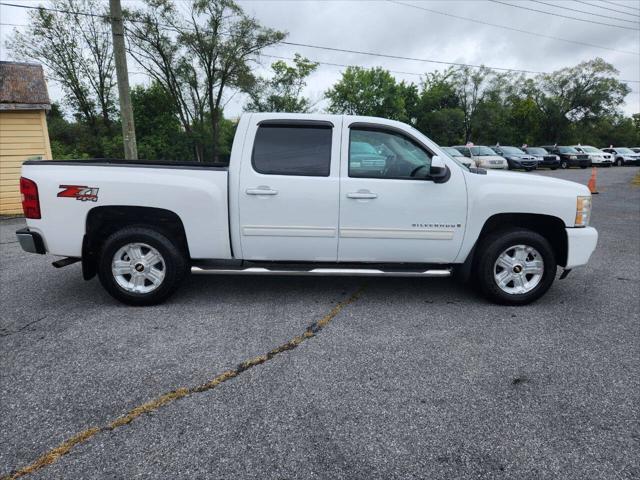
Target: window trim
{"x": 293, "y": 123}
{"x": 376, "y": 127}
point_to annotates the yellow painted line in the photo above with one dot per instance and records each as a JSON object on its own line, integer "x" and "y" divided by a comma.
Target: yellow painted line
{"x": 65, "y": 447}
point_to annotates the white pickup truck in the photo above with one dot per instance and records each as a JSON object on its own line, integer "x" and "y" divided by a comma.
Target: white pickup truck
{"x": 307, "y": 195}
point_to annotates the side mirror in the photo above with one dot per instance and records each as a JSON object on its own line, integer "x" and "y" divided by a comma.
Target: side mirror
{"x": 439, "y": 172}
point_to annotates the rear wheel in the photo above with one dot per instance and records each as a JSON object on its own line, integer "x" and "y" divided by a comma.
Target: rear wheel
{"x": 141, "y": 266}
{"x": 515, "y": 267}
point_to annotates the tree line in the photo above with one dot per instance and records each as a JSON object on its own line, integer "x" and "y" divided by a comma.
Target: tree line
{"x": 199, "y": 57}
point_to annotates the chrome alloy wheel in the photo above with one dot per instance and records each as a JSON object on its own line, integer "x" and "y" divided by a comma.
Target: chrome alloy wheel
{"x": 138, "y": 268}
{"x": 518, "y": 269}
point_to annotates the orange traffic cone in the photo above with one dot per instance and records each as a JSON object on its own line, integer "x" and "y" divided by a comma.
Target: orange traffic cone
{"x": 592, "y": 182}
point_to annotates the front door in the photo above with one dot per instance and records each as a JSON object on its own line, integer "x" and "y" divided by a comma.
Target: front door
{"x": 288, "y": 195}
{"x": 389, "y": 210}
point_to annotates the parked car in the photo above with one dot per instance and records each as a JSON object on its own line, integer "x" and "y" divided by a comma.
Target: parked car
{"x": 457, "y": 155}
{"x": 516, "y": 158}
{"x": 296, "y": 200}
{"x": 569, "y": 156}
{"x": 597, "y": 156}
{"x": 483, "y": 157}
{"x": 636, "y": 149}
{"x": 623, "y": 156}
{"x": 545, "y": 159}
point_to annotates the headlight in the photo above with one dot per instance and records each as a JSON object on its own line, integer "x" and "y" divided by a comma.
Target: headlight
{"x": 573, "y": 157}
{"x": 557, "y": 157}
{"x": 583, "y": 211}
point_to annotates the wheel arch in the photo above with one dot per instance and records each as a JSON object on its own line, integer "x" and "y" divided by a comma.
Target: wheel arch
{"x": 550, "y": 227}
{"x": 105, "y": 220}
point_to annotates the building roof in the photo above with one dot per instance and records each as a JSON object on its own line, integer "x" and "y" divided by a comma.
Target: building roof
{"x": 23, "y": 87}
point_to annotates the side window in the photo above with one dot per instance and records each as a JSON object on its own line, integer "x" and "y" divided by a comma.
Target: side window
{"x": 292, "y": 150}
{"x": 383, "y": 154}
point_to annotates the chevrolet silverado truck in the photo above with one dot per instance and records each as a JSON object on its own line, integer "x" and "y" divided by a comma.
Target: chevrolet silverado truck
{"x": 307, "y": 195}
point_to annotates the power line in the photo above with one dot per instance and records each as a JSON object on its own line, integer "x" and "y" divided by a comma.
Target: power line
{"x": 607, "y": 8}
{"x": 400, "y": 57}
{"x": 599, "y": 15}
{"x": 382, "y": 55}
{"x": 505, "y": 27}
{"x": 620, "y": 5}
{"x": 86, "y": 14}
{"x": 340, "y": 65}
{"x": 563, "y": 16}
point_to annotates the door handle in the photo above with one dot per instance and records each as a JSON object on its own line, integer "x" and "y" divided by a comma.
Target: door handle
{"x": 261, "y": 191}
{"x": 362, "y": 195}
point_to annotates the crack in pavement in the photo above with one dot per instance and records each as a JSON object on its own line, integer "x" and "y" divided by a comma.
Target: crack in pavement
{"x": 65, "y": 447}
{"x": 7, "y": 332}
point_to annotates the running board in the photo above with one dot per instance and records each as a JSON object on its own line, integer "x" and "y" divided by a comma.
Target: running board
{"x": 360, "y": 272}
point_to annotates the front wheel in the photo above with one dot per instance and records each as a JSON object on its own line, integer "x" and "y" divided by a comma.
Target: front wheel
{"x": 564, "y": 165}
{"x": 619, "y": 162}
{"x": 515, "y": 267}
{"x": 141, "y": 266}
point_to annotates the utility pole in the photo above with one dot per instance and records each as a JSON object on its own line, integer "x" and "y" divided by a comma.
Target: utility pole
{"x": 122, "y": 74}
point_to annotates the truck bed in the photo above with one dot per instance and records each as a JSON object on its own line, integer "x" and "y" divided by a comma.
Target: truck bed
{"x": 196, "y": 192}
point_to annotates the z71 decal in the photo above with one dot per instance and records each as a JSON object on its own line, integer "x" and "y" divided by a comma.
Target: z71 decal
{"x": 79, "y": 192}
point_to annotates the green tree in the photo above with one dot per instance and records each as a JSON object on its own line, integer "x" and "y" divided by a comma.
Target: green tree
{"x": 438, "y": 113}
{"x": 580, "y": 94}
{"x": 199, "y": 57}
{"x": 372, "y": 92}
{"x": 470, "y": 84}
{"x": 160, "y": 136}
{"x": 282, "y": 92}
{"x": 76, "y": 52}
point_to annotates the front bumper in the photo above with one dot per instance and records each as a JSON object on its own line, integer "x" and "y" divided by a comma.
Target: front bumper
{"x": 581, "y": 243}
{"x": 494, "y": 166}
{"x": 548, "y": 163}
{"x": 524, "y": 164}
{"x": 30, "y": 241}
{"x": 579, "y": 163}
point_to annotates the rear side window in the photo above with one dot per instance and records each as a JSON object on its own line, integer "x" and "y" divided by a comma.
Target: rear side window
{"x": 292, "y": 150}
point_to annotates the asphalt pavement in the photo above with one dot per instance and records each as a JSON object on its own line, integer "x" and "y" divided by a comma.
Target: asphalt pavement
{"x": 416, "y": 378}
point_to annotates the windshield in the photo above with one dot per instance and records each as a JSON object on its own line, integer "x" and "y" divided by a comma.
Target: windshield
{"x": 589, "y": 149}
{"x": 625, "y": 150}
{"x": 567, "y": 150}
{"x": 537, "y": 151}
{"x": 483, "y": 152}
{"x": 512, "y": 150}
{"x": 452, "y": 152}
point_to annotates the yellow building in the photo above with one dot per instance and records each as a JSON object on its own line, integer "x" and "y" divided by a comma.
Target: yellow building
{"x": 23, "y": 126}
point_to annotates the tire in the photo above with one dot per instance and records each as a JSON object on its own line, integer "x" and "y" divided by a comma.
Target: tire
{"x": 564, "y": 165}
{"x": 554, "y": 168}
{"x": 133, "y": 286}
{"x": 505, "y": 244}
{"x": 619, "y": 162}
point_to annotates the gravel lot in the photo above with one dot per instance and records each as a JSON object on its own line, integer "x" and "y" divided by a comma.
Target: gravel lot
{"x": 418, "y": 378}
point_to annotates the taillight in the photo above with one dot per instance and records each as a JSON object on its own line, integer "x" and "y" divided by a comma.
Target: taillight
{"x": 30, "y": 200}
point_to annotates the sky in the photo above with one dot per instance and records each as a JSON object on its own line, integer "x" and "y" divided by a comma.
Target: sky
{"x": 397, "y": 28}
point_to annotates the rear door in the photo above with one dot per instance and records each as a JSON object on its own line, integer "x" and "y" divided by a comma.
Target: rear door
{"x": 289, "y": 190}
